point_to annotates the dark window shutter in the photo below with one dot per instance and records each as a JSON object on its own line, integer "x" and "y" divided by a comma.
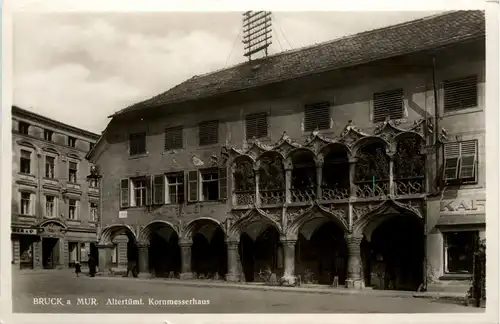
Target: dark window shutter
{"x": 317, "y": 116}
{"x": 451, "y": 161}
{"x": 149, "y": 190}
{"x": 181, "y": 192}
{"x": 124, "y": 193}
{"x": 388, "y": 104}
{"x": 222, "y": 183}
{"x": 460, "y": 93}
{"x": 209, "y": 132}
{"x": 192, "y": 186}
{"x": 158, "y": 190}
{"x": 173, "y": 138}
{"x": 256, "y": 125}
{"x": 468, "y": 158}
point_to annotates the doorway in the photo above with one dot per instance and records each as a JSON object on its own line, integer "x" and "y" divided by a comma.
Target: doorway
{"x": 50, "y": 252}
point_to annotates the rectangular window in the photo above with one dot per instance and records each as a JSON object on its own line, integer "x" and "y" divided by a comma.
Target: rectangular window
{"x": 25, "y": 203}
{"x": 137, "y": 143}
{"x": 460, "y": 160}
{"x": 114, "y": 254}
{"x": 209, "y": 132}
{"x": 50, "y": 206}
{"x": 139, "y": 189}
{"x": 72, "y": 210}
{"x": 173, "y": 138}
{"x": 50, "y": 162}
{"x": 124, "y": 193}
{"x": 71, "y": 141}
{"x": 25, "y": 162}
{"x": 94, "y": 183}
{"x": 93, "y": 211}
{"x": 256, "y": 125}
{"x": 47, "y": 135}
{"x": 24, "y": 128}
{"x": 158, "y": 190}
{"x": 317, "y": 116}
{"x": 460, "y": 93}
{"x": 73, "y": 170}
{"x": 459, "y": 251}
{"x": 209, "y": 185}
{"x": 175, "y": 188}
{"x": 388, "y": 105}
{"x": 192, "y": 186}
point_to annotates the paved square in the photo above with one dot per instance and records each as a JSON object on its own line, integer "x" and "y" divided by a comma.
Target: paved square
{"x": 65, "y": 285}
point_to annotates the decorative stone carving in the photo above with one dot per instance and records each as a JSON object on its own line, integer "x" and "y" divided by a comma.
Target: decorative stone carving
{"x": 413, "y": 206}
{"x": 339, "y": 213}
{"x": 358, "y": 211}
{"x": 273, "y": 214}
{"x": 52, "y": 229}
{"x": 292, "y": 214}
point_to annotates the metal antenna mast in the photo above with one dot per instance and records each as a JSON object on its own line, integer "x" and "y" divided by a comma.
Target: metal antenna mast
{"x": 257, "y": 32}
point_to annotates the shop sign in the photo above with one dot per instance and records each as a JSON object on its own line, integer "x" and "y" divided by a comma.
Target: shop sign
{"x": 24, "y": 231}
{"x": 462, "y": 205}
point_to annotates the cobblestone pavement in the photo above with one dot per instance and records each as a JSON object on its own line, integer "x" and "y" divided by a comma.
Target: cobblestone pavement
{"x": 63, "y": 284}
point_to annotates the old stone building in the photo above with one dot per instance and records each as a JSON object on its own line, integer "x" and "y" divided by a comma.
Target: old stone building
{"x": 54, "y": 208}
{"x": 324, "y": 162}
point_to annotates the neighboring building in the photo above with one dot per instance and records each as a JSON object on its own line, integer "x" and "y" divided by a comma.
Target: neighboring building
{"x": 54, "y": 208}
{"x": 319, "y": 161}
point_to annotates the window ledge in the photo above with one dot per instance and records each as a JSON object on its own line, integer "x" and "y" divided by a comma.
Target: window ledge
{"x": 208, "y": 146}
{"x": 462, "y": 111}
{"x": 138, "y": 156}
{"x": 26, "y": 174}
{"x": 456, "y": 276}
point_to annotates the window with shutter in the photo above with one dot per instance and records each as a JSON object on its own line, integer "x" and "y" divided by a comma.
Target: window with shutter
{"x": 209, "y": 132}
{"x": 175, "y": 188}
{"x": 317, "y": 116}
{"x": 137, "y": 143}
{"x": 388, "y": 104}
{"x": 460, "y": 93}
{"x": 173, "y": 138}
{"x": 158, "y": 190}
{"x": 192, "y": 186}
{"x": 460, "y": 160}
{"x": 222, "y": 183}
{"x": 256, "y": 125}
{"x": 124, "y": 193}
{"x": 149, "y": 191}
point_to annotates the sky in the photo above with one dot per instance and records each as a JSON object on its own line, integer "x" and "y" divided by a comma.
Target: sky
{"x": 79, "y": 68}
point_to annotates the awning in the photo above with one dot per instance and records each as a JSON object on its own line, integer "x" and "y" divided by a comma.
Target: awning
{"x": 462, "y": 219}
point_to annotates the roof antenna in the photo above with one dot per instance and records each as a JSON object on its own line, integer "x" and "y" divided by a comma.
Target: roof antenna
{"x": 257, "y": 32}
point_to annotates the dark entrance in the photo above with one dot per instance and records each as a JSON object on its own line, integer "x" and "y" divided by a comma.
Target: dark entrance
{"x": 50, "y": 252}
{"x": 26, "y": 251}
{"x": 397, "y": 247}
{"x": 94, "y": 251}
{"x": 209, "y": 256}
{"x": 164, "y": 255}
{"x": 260, "y": 255}
{"x": 323, "y": 257}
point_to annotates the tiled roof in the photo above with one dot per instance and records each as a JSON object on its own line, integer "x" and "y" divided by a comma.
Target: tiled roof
{"x": 417, "y": 35}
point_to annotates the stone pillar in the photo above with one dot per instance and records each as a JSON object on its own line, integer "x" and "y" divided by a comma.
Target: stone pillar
{"x": 16, "y": 253}
{"x": 143, "y": 262}
{"x": 289, "y": 257}
{"x": 288, "y": 184}
{"x": 233, "y": 273}
{"x": 105, "y": 262}
{"x": 186, "y": 260}
{"x": 37, "y": 255}
{"x": 392, "y": 185}
{"x": 319, "y": 178}
{"x": 354, "y": 263}
{"x": 352, "y": 173}
{"x": 257, "y": 184}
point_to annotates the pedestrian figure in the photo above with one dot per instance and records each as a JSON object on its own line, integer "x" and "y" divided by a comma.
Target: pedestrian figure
{"x": 131, "y": 267}
{"x": 78, "y": 268}
{"x": 92, "y": 266}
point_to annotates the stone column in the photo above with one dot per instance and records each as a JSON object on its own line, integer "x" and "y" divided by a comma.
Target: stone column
{"x": 319, "y": 178}
{"x": 37, "y": 255}
{"x": 257, "y": 185}
{"x": 233, "y": 273}
{"x": 186, "y": 260}
{"x": 143, "y": 262}
{"x": 392, "y": 185}
{"x": 354, "y": 263}
{"x": 288, "y": 182}
{"x": 352, "y": 173}
{"x": 289, "y": 257}
{"x": 16, "y": 253}
{"x": 105, "y": 260}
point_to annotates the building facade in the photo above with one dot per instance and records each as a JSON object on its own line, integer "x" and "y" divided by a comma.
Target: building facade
{"x": 326, "y": 162}
{"x": 55, "y": 209}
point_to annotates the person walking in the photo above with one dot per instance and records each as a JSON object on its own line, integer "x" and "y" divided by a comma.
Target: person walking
{"x": 131, "y": 267}
{"x": 92, "y": 266}
{"x": 78, "y": 268}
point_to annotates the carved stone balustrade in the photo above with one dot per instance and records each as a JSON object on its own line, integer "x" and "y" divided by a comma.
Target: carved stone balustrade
{"x": 372, "y": 189}
{"x": 303, "y": 195}
{"x": 410, "y": 186}
{"x": 334, "y": 193}
{"x": 272, "y": 197}
{"x": 245, "y": 197}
